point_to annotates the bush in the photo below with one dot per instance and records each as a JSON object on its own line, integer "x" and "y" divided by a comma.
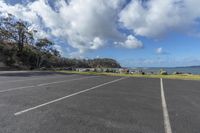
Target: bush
{"x": 29, "y": 57}
{"x": 163, "y": 73}
{"x": 1, "y": 47}
{"x": 143, "y": 73}
{"x": 175, "y": 73}
{"x": 107, "y": 70}
{"x": 9, "y": 56}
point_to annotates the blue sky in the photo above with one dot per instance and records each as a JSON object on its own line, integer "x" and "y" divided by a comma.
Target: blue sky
{"x": 137, "y": 33}
{"x": 177, "y": 50}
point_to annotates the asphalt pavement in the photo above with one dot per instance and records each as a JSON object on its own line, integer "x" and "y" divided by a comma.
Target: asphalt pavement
{"x": 49, "y": 102}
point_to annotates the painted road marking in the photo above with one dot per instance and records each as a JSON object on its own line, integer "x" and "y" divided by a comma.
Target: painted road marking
{"x": 167, "y": 124}
{"x": 34, "y": 79}
{"x": 45, "y": 84}
{"x": 56, "y": 82}
{"x": 18, "y": 88}
{"x": 65, "y": 97}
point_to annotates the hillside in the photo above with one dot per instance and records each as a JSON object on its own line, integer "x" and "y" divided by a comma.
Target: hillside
{"x": 189, "y": 67}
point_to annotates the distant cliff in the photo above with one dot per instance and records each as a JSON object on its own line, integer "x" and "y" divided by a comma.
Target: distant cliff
{"x": 189, "y": 67}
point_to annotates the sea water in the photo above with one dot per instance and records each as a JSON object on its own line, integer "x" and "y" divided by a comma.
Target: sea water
{"x": 170, "y": 70}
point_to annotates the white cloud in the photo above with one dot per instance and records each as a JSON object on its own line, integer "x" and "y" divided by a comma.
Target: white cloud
{"x": 91, "y": 24}
{"x": 131, "y": 43}
{"x": 85, "y": 25}
{"x": 154, "y": 18}
{"x": 96, "y": 43}
{"x": 159, "y": 50}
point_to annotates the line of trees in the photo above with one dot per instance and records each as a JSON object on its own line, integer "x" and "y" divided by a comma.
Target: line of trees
{"x": 20, "y": 48}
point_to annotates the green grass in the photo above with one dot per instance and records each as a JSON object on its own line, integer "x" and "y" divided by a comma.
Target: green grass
{"x": 180, "y": 76}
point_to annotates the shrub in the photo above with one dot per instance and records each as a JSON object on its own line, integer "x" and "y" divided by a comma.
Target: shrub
{"x": 163, "y": 72}
{"x": 175, "y": 73}
{"x": 9, "y": 56}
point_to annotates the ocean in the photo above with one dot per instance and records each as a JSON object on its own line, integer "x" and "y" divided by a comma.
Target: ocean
{"x": 195, "y": 70}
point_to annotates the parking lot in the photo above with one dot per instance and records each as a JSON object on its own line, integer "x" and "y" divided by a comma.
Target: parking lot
{"x": 48, "y": 102}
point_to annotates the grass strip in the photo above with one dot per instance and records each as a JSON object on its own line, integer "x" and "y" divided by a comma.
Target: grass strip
{"x": 171, "y": 76}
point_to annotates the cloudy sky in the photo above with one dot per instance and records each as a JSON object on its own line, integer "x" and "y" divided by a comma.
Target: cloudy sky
{"x": 141, "y": 33}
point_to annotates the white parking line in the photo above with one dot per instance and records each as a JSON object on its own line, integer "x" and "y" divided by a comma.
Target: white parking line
{"x": 18, "y": 88}
{"x": 33, "y": 79}
{"x": 62, "y": 98}
{"x": 56, "y": 82}
{"x": 45, "y": 84}
{"x": 167, "y": 124}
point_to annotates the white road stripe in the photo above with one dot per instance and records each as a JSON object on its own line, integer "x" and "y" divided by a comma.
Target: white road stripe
{"x": 10, "y": 81}
{"x": 167, "y": 124}
{"x": 45, "y": 84}
{"x": 66, "y": 80}
{"x": 62, "y": 98}
{"x": 18, "y": 88}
